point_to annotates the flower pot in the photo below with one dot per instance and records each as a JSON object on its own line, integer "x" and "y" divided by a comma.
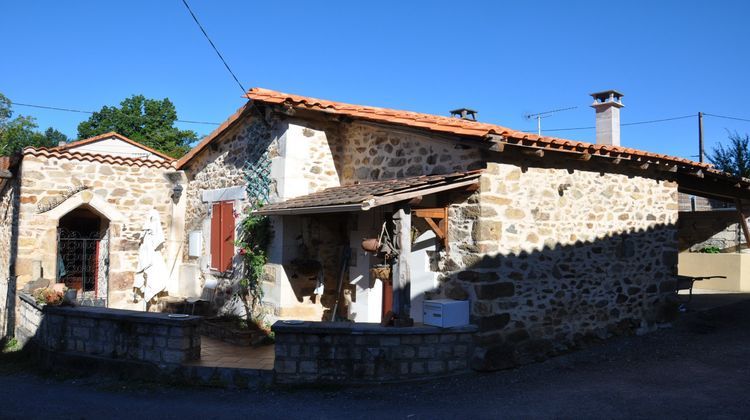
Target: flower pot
{"x": 371, "y": 245}
{"x": 71, "y": 295}
{"x": 380, "y": 272}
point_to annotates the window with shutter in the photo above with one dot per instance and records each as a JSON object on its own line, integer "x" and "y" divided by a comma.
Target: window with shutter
{"x": 222, "y": 235}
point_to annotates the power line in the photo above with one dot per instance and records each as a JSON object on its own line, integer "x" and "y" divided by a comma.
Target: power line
{"x": 214, "y": 46}
{"x": 54, "y": 108}
{"x": 726, "y": 117}
{"x": 624, "y": 124}
{"x": 661, "y": 120}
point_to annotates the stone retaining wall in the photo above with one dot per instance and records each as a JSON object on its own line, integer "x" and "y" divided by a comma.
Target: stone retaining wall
{"x": 326, "y": 352}
{"x": 109, "y": 333}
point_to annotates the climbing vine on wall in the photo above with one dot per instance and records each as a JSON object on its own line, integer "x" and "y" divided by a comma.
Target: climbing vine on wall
{"x": 255, "y": 231}
{"x": 254, "y": 238}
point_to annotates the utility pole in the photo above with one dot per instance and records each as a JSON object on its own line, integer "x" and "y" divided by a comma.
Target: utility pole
{"x": 700, "y": 137}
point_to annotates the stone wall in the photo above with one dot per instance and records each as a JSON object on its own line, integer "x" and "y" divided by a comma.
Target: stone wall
{"x": 324, "y": 352}
{"x": 109, "y": 333}
{"x": 549, "y": 257}
{"x": 221, "y": 167}
{"x": 126, "y": 189}
{"x": 372, "y": 153}
{"x": 8, "y": 225}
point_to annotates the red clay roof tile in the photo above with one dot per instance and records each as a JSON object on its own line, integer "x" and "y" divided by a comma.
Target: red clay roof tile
{"x": 93, "y": 157}
{"x": 451, "y": 125}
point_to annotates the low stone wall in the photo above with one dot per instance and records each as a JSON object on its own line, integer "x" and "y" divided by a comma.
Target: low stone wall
{"x": 326, "y": 352}
{"x": 115, "y": 334}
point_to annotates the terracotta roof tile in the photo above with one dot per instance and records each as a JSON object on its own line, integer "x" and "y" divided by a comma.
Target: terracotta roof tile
{"x": 454, "y": 126}
{"x": 359, "y": 194}
{"x": 111, "y": 134}
{"x": 93, "y": 157}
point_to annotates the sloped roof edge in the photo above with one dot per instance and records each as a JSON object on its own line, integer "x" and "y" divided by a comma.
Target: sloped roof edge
{"x": 456, "y": 126}
{"x": 229, "y": 122}
{"x": 94, "y": 157}
{"x": 108, "y": 135}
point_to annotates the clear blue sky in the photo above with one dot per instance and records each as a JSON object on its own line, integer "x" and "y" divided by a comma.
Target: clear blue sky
{"x": 669, "y": 58}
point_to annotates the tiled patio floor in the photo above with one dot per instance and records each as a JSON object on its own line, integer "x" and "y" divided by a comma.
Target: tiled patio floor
{"x": 216, "y": 353}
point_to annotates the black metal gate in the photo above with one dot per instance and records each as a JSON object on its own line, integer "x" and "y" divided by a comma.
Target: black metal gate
{"x": 83, "y": 264}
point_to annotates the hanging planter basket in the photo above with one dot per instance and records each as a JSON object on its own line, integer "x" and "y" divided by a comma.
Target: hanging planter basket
{"x": 381, "y": 272}
{"x": 371, "y": 245}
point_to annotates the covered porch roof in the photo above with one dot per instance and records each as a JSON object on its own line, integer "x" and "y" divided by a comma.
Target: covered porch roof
{"x": 368, "y": 195}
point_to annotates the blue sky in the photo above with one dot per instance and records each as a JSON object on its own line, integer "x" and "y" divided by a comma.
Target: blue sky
{"x": 504, "y": 59}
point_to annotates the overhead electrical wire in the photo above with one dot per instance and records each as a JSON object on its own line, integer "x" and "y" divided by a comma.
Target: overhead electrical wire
{"x": 214, "y": 46}
{"x": 705, "y": 114}
{"x": 726, "y": 117}
{"x": 624, "y": 124}
{"x": 54, "y": 108}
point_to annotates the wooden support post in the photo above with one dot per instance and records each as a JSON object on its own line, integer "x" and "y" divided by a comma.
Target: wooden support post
{"x": 401, "y": 274}
{"x": 743, "y": 222}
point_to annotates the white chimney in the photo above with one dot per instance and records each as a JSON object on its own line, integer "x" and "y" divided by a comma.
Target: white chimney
{"x": 607, "y": 105}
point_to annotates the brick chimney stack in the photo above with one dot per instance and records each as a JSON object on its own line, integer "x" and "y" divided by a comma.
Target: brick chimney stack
{"x": 607, "y": 105}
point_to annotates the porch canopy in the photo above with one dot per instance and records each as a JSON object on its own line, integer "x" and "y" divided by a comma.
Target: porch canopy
{"x": 371, "y": 194}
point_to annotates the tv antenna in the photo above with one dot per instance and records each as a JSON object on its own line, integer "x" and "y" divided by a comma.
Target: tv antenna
{"x": 545, "y": 114}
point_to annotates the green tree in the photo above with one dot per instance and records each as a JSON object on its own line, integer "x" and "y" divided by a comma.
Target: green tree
{"x": 54, "y": 137}
{"x": 735, "y": 158}
{"x": 19, "y": 132}
{"x": 147, "y": 121}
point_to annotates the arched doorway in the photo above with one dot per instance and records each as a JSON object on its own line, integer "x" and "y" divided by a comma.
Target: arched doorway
{"x": 83, "y": 255}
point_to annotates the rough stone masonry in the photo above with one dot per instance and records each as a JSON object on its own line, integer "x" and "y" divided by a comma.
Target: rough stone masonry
{"x": 550, "y": 257}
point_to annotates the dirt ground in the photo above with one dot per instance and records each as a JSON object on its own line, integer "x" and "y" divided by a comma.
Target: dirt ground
{"x": 700, "y": 368}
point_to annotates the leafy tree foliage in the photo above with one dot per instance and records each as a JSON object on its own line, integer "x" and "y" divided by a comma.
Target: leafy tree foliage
{"x": 147, "y": 121}
{"x": 19, "y": 132}
{"x": 735, "y": 158}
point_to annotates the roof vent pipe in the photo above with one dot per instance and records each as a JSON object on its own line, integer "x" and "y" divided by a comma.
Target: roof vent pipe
{"x": 607, "y": 105}
{"x": 464, "y": 114}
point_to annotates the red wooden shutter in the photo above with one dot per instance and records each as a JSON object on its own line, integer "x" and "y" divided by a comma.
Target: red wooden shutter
{"x": 227, "y": 235}
{"x": 216, "y": 236}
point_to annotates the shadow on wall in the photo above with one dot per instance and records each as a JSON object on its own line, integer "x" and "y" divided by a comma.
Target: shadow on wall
{"x": 316, "y": 269}
{"x": 532, "y": 305}
{"x": 89, "y": 339}
{"x": 699, "y": 229}
{"x": 11, "y": 213}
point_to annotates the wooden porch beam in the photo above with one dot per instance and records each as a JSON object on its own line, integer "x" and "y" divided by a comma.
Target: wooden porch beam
{"x": 401, "y": 274}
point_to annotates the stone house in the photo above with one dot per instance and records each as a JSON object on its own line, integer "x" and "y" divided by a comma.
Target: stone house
{"x": 74, "y": 214}
{"x": 552, "y": 241}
